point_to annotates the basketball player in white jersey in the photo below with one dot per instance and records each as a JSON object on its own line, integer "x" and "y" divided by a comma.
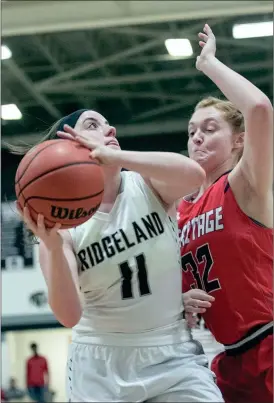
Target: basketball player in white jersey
{"x": 116, "y": 279}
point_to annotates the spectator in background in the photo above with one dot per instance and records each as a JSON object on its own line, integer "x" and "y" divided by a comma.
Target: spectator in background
{"x": 37, "y": 375}
{"x": 13, "y": 391}
{"x": 3, "y": 397}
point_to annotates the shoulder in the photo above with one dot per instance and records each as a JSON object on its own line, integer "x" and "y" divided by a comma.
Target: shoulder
{"x": 131, "y": 176}
{"x": 135, "y": 180}
{"x": 144, "y": 186}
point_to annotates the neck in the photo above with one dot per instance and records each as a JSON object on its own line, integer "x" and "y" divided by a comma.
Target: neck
{"x": 215, "y": 173}
{"x": 112, "y": 182}
{"x": 211, "y": 177}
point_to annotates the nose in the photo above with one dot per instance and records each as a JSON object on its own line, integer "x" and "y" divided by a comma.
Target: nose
{"x": 111, "y": 132}
{"x": 197, "y": 138}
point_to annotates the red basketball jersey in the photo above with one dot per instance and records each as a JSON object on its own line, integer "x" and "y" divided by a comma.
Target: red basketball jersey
{"x": 230, "y": 256}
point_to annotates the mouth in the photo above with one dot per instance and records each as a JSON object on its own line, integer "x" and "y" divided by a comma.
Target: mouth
{"x": 199, "y": 151}
{"x": 113, "y": 143}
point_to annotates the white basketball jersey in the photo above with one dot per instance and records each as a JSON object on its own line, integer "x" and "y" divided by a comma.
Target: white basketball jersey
{"x": 129, "y": 265}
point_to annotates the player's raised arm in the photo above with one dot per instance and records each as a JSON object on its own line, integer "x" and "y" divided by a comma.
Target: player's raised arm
{"x": 171, "y": 175}
{"x": 256, "y": 164}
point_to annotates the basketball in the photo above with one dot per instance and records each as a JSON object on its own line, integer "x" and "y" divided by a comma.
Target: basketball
{"x": 59, "y": 179}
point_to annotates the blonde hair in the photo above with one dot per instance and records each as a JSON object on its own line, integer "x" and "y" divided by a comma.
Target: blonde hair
{"x": 231, "y": 114}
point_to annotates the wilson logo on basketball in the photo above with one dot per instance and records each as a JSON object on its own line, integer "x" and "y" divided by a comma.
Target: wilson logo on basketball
{"x": 63, "y": 213}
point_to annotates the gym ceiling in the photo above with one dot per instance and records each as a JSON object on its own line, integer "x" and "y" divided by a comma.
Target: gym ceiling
{"x": 110, "y": 56}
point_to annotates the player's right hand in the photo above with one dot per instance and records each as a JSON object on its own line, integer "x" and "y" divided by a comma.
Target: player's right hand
{"x": 197, "y": 301}
{"x": 50, "y": 237}
{"x": 208, "y": 45}
{"x": 97, "y": 144}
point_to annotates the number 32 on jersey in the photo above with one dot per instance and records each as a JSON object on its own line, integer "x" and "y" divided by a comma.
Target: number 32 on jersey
{"x": 200, "y": 273}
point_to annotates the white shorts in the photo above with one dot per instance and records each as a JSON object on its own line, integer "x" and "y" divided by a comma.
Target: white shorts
{"x": 170, "y": 373}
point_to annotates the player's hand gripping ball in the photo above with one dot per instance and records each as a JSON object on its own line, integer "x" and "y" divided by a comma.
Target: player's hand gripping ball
{"x": 60, "y": 180}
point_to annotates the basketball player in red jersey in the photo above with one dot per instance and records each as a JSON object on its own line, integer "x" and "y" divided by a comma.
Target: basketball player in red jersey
{"x": 226, "y": 229}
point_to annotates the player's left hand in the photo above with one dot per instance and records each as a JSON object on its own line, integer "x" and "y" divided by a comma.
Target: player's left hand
{"x": 97, "y": 145}
{"x": 208, "y": 45}
{"x": 197, "y": 301}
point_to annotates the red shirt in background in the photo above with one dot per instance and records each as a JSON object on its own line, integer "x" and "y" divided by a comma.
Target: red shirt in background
{"x": 37, "y": 367}
{"x": 3, "y": 399}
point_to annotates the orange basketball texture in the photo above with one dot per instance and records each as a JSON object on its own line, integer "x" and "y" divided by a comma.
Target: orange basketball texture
{"x": 58, "y": 179}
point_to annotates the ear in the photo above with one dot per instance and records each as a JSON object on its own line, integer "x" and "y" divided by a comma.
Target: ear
{"x": 238, "y": 140}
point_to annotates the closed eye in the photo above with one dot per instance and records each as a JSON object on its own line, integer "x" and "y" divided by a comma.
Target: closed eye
{"x": 210, "y": 130}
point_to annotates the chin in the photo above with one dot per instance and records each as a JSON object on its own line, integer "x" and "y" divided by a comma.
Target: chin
{"x": 199, "y": 159}
{"x": 115, "y": 146}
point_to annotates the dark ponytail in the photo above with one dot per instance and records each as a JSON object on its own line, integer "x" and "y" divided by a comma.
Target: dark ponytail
{"x": 23, "y": 148}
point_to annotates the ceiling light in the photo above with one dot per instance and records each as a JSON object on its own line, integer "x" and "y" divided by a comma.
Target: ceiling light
{"x": 179, "y": 47}
{"x": 253, "y": 30}
{"x": 10, "y": 112}
{"x": 5, "y": 52}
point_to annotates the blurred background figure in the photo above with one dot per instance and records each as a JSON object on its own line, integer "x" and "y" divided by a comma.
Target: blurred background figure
{"x": 37, "y": 375}
{"x": 3, "y": 396}
{"x": 13, "y": 392}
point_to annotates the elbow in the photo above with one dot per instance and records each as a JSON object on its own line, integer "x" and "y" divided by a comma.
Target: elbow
{"x": 261, "y": 112}
{"x": 68, "y": 318}
{"x": 70, "y": 321}
{"x": 262, "y": 106}
{"x": 198, "y": 174}
{"x": 201, "y": 174}
{"x": 191, "y": 178}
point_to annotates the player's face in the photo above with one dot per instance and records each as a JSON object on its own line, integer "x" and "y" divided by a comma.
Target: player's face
{"x": 210, "y": 139}
{"x": 93, "y": 124}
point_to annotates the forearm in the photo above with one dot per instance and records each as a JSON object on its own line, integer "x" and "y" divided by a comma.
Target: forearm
{"x": 46, "y": 378}
{"x": 62, "y": 293}
{"x": 242, "y": 93}
{"x": 163, "y": 166}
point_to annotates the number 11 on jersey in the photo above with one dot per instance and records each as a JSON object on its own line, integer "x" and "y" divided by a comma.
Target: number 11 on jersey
{"x": 126, "y": 272}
